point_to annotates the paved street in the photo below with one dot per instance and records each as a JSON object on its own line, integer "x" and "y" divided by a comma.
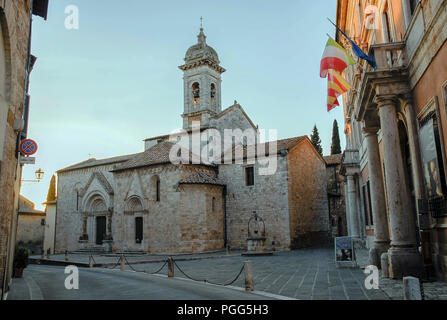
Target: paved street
{"x": 302, "y": 274}
{"x": 47, "y": 283}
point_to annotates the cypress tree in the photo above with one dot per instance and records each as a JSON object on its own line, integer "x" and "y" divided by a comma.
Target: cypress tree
{"x": 51, "y": 196}
{"x": 335, "y": 146}
{"x": 316, "y": 141}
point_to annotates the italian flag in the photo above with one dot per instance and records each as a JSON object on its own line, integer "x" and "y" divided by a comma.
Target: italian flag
{"x": 334, "y": 57}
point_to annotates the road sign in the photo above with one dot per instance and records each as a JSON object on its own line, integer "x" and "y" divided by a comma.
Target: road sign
{"x": 28, "y": 147}
{"x": 27, "y": 160}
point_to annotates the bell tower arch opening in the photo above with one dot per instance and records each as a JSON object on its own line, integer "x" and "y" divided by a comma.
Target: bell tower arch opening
{"x": 202, "y": 83}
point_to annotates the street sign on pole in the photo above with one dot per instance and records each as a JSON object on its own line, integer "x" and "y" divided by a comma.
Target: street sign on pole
{"x": 28, "y": 147}
{"x": 27, "y": 160}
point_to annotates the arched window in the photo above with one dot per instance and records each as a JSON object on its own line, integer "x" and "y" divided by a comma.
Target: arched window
{"x": 212, "y": 92}
{"x": 195, "y": 92}
{"x": 155, "y": 188}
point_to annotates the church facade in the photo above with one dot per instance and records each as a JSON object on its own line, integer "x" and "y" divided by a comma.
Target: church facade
{"x": 147, "y": 202}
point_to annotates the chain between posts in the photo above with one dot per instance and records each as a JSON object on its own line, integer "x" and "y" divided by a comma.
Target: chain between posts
{"x": 181, "y": 270}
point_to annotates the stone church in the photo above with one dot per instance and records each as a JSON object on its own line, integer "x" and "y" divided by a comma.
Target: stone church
{"x": 144, "y": 202}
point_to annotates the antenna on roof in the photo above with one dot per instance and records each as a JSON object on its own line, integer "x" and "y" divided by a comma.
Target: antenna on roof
{"x": 201, "y": 22}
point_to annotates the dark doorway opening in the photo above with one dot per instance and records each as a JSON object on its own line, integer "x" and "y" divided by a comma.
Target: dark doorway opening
{"x": 138, "y": 229}
{"x": 100, "y": 229}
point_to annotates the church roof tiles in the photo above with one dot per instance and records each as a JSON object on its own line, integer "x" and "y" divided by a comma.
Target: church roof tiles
{"x": 198, "y": 177}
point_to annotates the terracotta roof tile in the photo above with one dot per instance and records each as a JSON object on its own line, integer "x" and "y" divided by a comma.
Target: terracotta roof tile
{"x": 199, "y": 177}
{"x": 333, "y": 159}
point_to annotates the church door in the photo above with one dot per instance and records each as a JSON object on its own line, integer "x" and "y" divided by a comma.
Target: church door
{"x": 100, "y": 229}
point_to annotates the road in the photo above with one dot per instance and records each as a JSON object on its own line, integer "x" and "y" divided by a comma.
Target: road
{"x": 42, "y": 282}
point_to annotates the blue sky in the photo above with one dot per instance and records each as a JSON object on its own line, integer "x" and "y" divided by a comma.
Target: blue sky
{"x": 100, "y": 90}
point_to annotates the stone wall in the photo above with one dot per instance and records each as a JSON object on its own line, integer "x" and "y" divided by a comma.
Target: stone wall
{"x": 70, "y": 208}
{"x": 14, "y": 20}
{"x": 182, "y": 221}
{"x": 268, "y": 197}
{"x": 30, "y": 232}
{"x": 308, "y": 203}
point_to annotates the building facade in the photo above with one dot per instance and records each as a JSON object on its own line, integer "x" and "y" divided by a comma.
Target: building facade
{"x": 395, "y": 130}
{"x": 146, "y": 202}
{"x": 15, "y": 66}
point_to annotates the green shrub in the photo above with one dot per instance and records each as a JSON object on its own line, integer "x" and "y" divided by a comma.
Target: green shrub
{"x": 21, "y": 257}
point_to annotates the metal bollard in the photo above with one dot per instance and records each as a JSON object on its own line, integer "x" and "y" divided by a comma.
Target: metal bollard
{"x": 249, "y": 284}
{"x": 228, "y": 250}
{"x": 48, "y": 254}
{"x": 90, "y": 261}
{"x": 122, "y": 263}
{"x": 66, "y": 255}
{"x": 171, "y": 268}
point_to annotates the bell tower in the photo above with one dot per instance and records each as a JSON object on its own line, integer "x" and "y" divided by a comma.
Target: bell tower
{"x": 202, "y": 83}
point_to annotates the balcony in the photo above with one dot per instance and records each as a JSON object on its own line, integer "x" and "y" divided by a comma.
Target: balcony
{"x": 391, "y": 75}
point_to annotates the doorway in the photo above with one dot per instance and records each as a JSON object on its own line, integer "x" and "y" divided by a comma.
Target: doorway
{"x": 100, "y": 229}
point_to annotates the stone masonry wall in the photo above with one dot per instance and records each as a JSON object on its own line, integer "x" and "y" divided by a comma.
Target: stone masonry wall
{"x": 308, "y": 203}
{"x": 69, "y": 208}
{"x": 14, "y": 20}
{"x": 268, "y": 197}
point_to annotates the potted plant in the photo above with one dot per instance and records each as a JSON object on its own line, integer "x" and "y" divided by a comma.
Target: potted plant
{"x": 20, "y": 261}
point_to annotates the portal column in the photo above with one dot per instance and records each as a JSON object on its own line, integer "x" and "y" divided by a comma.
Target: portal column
{"x": 404, "y": 258}
{"x": 353, "y": 214}
{"x": 378, "y": 205}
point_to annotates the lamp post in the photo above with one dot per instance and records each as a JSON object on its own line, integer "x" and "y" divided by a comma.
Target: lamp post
{"x": 39, "y": 176}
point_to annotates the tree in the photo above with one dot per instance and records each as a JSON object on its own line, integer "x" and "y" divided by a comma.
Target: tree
{"x": 51, "y": 196}
{"x": 335, "y": 146}
{"x": 316, "y": 141}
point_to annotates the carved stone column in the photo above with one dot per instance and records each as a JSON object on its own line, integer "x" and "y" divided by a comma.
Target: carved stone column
{"x": 353, "y": 214}
{"x": 378, "y": 204}
{"x": 84, "y": 233}
{"x": 404, "y": 258}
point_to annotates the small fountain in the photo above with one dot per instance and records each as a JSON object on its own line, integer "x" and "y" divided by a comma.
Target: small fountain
{"x": 256, "y": 237}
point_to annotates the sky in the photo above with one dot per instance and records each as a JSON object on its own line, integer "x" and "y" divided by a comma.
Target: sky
{"x": 99, "y": 91}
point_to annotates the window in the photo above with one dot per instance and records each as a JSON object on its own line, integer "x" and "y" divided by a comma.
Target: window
{"x": 157, "y": 190}
{"x": 213, "y": 204}
{"x": 430, "y": 144}
{"x": 367, "y": 204}
{"x": 249, "y": 176}
{"x": 195, "y": 92}
{"x": 77, "y": 200}
{"x": 213, "y": 92}
{"x": 138, "y": 229}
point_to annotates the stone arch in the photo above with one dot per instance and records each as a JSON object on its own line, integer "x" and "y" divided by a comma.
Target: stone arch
{"x": 94, "y": 202}
{"x": 134, "y": 204}
{"x": 195, "y": 90}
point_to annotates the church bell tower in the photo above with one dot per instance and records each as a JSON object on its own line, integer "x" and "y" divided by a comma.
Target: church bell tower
{"x": 202, "y": 83}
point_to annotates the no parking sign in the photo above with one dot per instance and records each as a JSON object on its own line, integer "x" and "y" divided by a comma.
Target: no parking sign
{"x": 28, "y": 147}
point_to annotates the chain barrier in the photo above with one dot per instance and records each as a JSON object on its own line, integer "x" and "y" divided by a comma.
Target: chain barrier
{"x": 144, "y": 271}
{"x": 180, "y": 269}
{"x": 208, "y": 281}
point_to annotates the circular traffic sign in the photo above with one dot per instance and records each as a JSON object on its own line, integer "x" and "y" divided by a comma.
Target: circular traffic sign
{"x": 28, "y": 147}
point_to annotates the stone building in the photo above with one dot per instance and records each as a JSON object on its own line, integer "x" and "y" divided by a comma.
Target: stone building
{"x": 336, "y": 195}
{"x": 15, "y": 65}
{"x": 146, "y": 202}
{"x": 30, "y": 226}
{"x": 396, "y": 131}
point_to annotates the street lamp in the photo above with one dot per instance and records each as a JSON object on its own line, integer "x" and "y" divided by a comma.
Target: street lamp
{"x": 39, "y": 176}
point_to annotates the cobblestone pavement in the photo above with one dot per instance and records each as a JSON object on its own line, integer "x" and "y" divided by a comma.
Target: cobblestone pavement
{"x": 303, "y": 274}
